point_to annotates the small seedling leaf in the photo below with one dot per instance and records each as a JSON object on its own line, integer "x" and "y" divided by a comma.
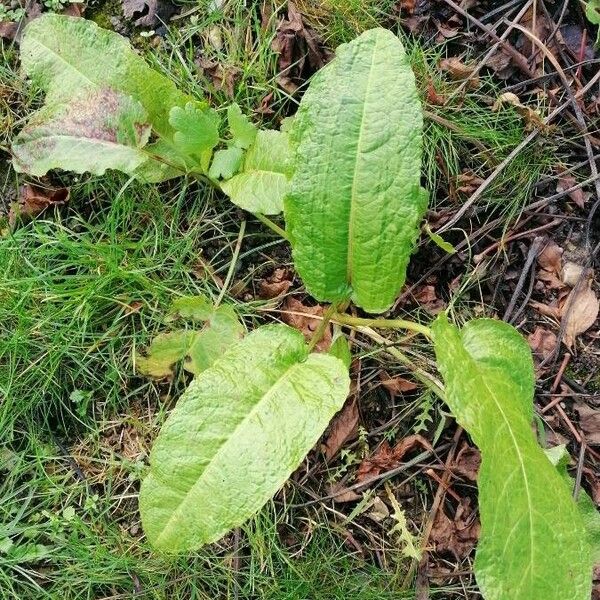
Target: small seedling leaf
{"x": 243, "y": 132}
{"x": 236, "y": 435}
{"x": 226, "y": 163}
{"x": 200, "y": 348}
{"x": 196, "y": 129}
{"x": 264, "y": 180}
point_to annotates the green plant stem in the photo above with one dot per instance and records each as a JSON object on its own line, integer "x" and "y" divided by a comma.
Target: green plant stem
{"x": 271, "y": 225}
{"x": 320, "y": 330}
{"x": 232, "y": 264}
{"x": 421, "y": 375}
{"x": 344, "y": 319}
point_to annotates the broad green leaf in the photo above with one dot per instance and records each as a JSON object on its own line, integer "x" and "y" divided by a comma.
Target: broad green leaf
{"x": 532, "y": 544}
{"x": 355, "y": 202}
{"x": 264, "y": 180}
{"x": 242, "y": 130}
{"x": 100, "y": 129}
{"x": 67, "y": 56}
{"x": 226, "y": 163}
{"x": 196, "y": 128}
{"x": 238, "y": 432}
{"x": 200, "y": 348}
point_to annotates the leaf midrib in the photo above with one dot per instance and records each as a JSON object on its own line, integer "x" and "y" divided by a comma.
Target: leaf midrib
{"x": 349, "y": 253}
{"x": 498, "y": 405}
{"x": 177, "y": 511}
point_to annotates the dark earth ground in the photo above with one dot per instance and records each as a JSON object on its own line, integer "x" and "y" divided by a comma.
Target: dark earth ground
{"x": 511, "y": 157}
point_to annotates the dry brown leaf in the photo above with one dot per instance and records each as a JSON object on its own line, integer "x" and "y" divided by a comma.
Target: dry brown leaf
{"x": 342, "y": 494}
{"x": 426, "y": 297}
{"x": 578, "y": 196}
{"x": 456, "y": 536}
{"x": 589, "y": 420}
{"x": 386, "y": 458}
{"x": 33, "y": 200}
{"x": 467, "y": 462}
{"x": 548, "y": 310}
{"x": 579, "y": 312}
{"x": 550, "y": 258}
{"x": 396, "y": 385}
{"x": 532, "y": 118}
{"x": 342, "y": 428}
{"x": 223, "y": 77}
{"x": 275, "y": 284}
{"x": 302, "y": 317}
{"x": 467, "y": 182}
{"x": 542, "y": 343}
{"x": 458, "y": 70}
{"x": 144, "y": 12}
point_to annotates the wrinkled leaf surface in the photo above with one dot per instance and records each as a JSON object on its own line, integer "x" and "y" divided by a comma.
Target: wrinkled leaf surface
{"x": 355, "y": 202}
{"x": 239, "y": 431}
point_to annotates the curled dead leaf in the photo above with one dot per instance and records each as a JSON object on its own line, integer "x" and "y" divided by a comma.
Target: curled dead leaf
{"x": 456, "y": 536}
{"x": 302, "y": 317}
{"x": 532, "y": 118}
{"x": 276, "y": 284}
{"x": 33, "y": 200}
{"x": 579, "y": 311}
{"x": 542, "y": 343}
{"x": 458, "y": 70}
{"x": 396, "y": 385}
{"x": 386, "y": 458}
{"x": 342, "y": 428}
{"x": 467, "y": 462}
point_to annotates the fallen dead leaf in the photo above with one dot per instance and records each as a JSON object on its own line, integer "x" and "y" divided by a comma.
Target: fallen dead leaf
{"x": 33, "y": 200}
{"x": 396, "y": 385}
{"x": 295, "y": 42}
{"x": 532, "y": 118}
{"x": 456, "y": 536}
{"x": 571, "y": 273}
{"x": 458, "y": 70}
{"x": 426, "y": 297}
{"x": 467, "y": 462}
{"x": 467, "y": 182}
{"x": 542, "y": 343}
{"x": 276, "y": 284}
{"x": 223, "y": 77}
{"x": 589, "y": 421}
{"x": 342, "y": 494}
{"x": 579, "y": 311}
{"x": 386, "y": 458}
{"x": 302, "y": 317}
{"x": 142, "y": 11}
{"x": 578, "y": 196}
{"x": 342, "y": 428}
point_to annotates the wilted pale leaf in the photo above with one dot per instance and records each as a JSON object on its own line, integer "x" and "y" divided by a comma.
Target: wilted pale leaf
{"x": 100, "y": 129}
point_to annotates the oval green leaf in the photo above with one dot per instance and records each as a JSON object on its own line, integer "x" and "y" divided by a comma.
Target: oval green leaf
{"x": 533, "y": 542}
{"x": 239, "y": 431}
{"x": 355, "y": 202}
